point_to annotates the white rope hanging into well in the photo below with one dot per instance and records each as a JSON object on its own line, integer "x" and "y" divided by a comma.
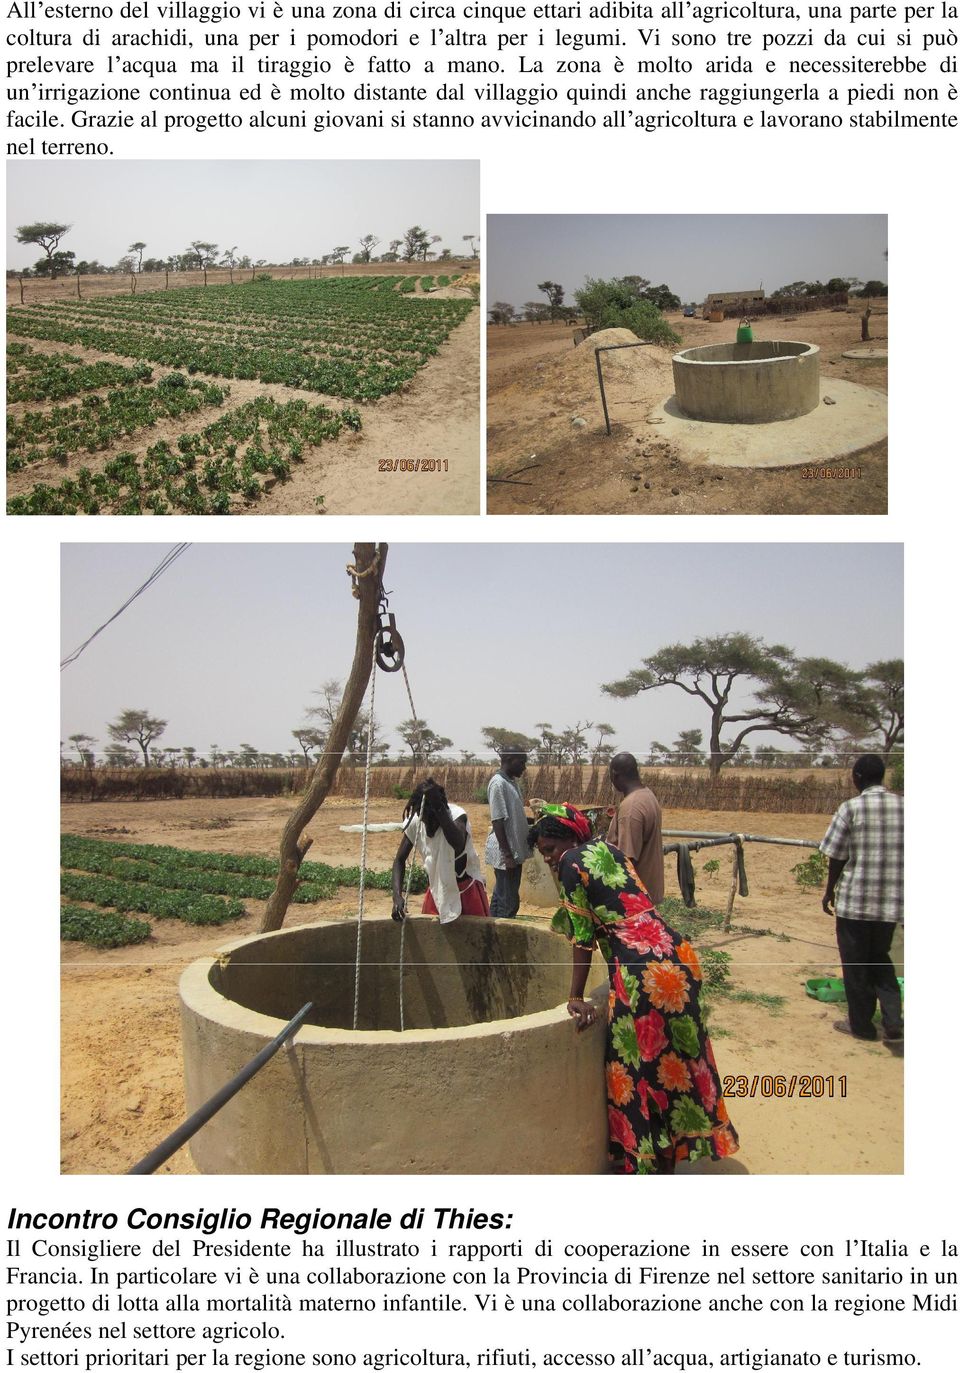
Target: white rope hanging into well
{"x": 406, "y": 902}
{"x": 365, "y": 828}
{"x": 363, "y": 840}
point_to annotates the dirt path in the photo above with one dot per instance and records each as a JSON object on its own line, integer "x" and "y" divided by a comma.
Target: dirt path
{"x": 435, "y": 423}
{"x": 121, "y": 1067}
{"x": 538, "y": 384}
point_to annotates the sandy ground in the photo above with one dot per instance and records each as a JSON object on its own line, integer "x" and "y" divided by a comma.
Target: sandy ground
{"x": 434, "y": 422}
{"x": 538, "y": 383}
{"x": 121, "y": 1057}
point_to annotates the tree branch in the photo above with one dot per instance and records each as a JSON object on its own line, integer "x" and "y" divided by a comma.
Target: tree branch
{"x": 369, "y": 562}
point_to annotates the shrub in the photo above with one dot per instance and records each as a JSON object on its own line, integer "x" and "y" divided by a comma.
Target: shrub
{"x": 100, "y": 929}
{"x": 715, "y": 965}
{"x": 811, "y": 872}
{"x": 617, "y": 304}
{"x": 642, "y": 319}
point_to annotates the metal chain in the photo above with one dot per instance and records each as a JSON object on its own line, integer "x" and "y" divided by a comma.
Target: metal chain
{"x": 363, "y": 841}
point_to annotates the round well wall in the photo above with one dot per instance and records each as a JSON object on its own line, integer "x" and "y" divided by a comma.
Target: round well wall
{"x": 488, "y": 1076}
{"x": 748, "y": 383}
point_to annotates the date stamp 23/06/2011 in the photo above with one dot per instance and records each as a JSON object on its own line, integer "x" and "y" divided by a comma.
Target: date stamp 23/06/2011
{"x": 831, "y": 473}
{"x": 413, "y": 465}
{"x": 802, "y": 1085}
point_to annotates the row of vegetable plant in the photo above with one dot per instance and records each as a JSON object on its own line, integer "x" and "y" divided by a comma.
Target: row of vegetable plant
{"x": 345, "y": 338}
{"x": 97, "y": 422}
{"x": 213, "y": 471}
{"x": 33, "y": 376}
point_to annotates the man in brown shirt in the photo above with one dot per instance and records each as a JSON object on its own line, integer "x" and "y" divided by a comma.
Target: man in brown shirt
{"x": 636, "y": 826}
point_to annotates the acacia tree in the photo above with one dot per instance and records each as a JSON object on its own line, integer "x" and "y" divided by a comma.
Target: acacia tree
{"x": 554, "y": 293}
{"x": 138, "y": 248}
{"x": 501, "y": 312}
{"x": 416, "y": 242}
{"x": 423, "y": 744}
{"x": 496, "y": 737}
{"x": 206, "y": 252}
{"x": 309, "y": 739}
{"x": 81, "y": 743}
{"x": 119, "y": 757}
{"x": 878, "y": 707}
{"x": 57, "y": 264}
{"x": 137, "y": 727}
{"x": 803, "y": 698}
{"x": 230, "y": 258}
{"x": 602, "y": 753}
{"x": 367, "y": 245}
{"x": 45, "y": 235}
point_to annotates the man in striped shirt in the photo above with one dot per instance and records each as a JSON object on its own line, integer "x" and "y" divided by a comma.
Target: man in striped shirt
{"x": 864, "y": 891}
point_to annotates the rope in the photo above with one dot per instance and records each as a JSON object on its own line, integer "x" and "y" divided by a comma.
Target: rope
{"x": 366, "y": 817}
{"x": 358, "y": 576}
{"x": 403, "y": 923}
{"x": 363, "y": 841}
{"x": 406, "y": 683}
{"x": 406, "y": 898}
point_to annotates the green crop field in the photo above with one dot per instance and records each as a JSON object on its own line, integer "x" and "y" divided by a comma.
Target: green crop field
{"x": 166, "y": 355}
{"x": 196, "y": 887}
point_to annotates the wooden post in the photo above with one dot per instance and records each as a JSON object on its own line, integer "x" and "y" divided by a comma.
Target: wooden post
{"x": 369, "y": 560}
{"x": 734, "y": 881}
{"x": 133, "y": 284}
{"x": 166, "y": 280}
{"x": 21, "y": 290}
{"x": 78, "y": 286}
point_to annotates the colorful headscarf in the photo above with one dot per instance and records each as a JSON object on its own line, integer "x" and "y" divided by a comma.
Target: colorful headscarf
{"x": 571, "y": 817}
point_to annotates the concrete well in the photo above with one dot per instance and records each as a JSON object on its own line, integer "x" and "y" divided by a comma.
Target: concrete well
{"x": 747, "y": 383}
{"x": 489, "y": 1076}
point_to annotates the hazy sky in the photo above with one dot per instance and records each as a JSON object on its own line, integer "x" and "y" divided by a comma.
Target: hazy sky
{"x": 228, "y": 645}
{"x": 274, "y": 210}
{"x": 693, "y": 254}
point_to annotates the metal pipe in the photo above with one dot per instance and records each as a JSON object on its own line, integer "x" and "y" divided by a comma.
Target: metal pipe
{"x": 152, "y": 1161}
{"x": 611, "y": 348}
{"x": 699, "y": 844}
{"x": 603, "y": 394}
{"x": 721, "y": 835}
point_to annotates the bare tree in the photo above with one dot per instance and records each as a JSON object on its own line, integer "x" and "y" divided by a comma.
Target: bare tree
{"x": 369, "y": 563}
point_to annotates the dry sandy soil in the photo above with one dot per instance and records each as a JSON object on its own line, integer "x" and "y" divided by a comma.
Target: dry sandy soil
{"x": 435, "y": 417}
{"x": 121, "y": 1059}
{"x": 537, "y": 383}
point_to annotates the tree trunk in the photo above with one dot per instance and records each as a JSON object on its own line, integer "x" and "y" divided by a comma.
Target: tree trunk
{"x": 293, "y": 850}
{"x": 716, "y": 748}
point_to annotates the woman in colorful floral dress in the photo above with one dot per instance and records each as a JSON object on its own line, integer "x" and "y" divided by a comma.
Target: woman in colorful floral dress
{"x": 663, "y": 1092}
